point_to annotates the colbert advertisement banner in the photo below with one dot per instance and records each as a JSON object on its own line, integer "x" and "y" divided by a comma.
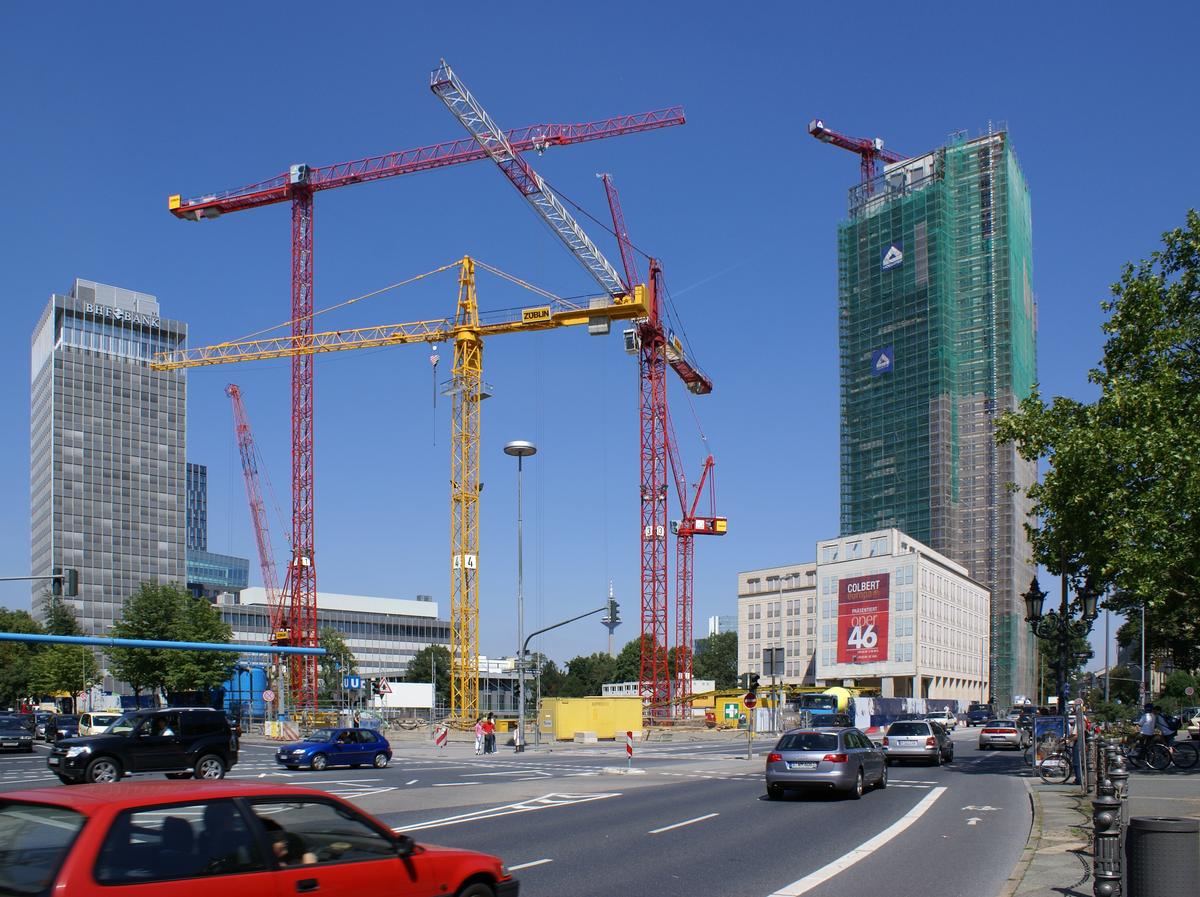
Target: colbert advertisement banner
{"x": 863, "y": 603}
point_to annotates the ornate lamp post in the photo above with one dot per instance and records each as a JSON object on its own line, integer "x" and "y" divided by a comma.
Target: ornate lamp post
{"x": 1060, "y": 627}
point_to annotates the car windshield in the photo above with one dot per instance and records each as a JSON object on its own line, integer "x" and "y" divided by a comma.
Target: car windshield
{"x": 104, "y": 719}
{"x": 13, "y": 722}
{"x": 322, "y": 735}
{"x": 808, "y": 741}
{"x": 909, "y": 729}
{"x": 125, "y": 724}
{"x": 34, "y": 840}
{"x": 68, "y": 720}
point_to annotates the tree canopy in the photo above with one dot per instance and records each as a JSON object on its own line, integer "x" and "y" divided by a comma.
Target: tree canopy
{"x": 420, "y": 669}
{"x": 16, "y": 658}
{"x": 717, "y": 659}
{"x": 339, "y": 661}
{"x": 1118, "y": 505}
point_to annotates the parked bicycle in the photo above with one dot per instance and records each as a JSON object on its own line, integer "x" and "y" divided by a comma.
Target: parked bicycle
{"x": 1160, "y": 754}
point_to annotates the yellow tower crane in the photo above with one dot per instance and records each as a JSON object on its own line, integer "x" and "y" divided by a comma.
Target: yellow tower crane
{"x": 467, "y": 333}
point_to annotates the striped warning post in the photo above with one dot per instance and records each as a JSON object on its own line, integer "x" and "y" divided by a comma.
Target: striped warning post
{"x": 439, "y": 736}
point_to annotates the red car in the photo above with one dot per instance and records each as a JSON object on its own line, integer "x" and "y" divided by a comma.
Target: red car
{"x": 202, "y": 838}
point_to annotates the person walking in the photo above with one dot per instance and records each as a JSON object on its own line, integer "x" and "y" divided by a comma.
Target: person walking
{"x": 479, "y": 735}
{"x": 489, "y": 734}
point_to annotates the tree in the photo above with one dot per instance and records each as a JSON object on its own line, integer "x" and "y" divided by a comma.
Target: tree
{"x": 16, "y": 658}
{"x": 420, "y": 669}
{"x": 60, "y": 618}
{"x": 627, "y": 666}
{"x": 169, "y": 613}
{"x": 552, "y": 680}
{"x": 1123, "y": 686}
{"x": 1174, "y": 694}
{"x": 717, "y": 659}
{"x": 64, "y": 668}
{"x": 1117, "y": 506}
{"x": 586, "y": 675}
{"x": 338, "y": 661}
{"x": 1079, "y": 651}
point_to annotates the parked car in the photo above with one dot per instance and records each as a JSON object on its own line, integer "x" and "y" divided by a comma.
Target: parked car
{"x": 998, "y": 733}
{"x": 336, "y": 747}
{"x": 65, "y": 725}
{"x": 830, "y": 721}
{"x": 844, "y": 760}
{"x": 244, "y": 839}
{"x": 180, "y": 742}
{"x": 41, "y": 719}
{"x": 918, "y": 740}
{"x": 16, "y": 734}
{"x": 944, "y": 718}
{"x": 95, "y": 723}
{"x": 1191, "y": 721}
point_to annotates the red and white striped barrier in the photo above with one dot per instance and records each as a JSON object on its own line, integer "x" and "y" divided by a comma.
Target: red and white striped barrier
{"x": 439, "y": 736}
{"x": 629, "y": 748}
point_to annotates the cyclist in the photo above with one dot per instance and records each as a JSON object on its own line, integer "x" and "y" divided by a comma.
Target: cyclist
{"x": 1147, "y": 726}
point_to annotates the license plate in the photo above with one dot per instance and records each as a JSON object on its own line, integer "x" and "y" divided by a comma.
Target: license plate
{"x": 908, "y": 742}
{"x": 802, "y": 764}
{"x": 53, "y": 761}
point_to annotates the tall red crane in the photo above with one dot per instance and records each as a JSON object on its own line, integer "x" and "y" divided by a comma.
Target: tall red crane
{"x": 299, "y": 185}
{"x": 650, "y": 341}
{"x": 870, "y": 150}
{"x": 258, "y": 515}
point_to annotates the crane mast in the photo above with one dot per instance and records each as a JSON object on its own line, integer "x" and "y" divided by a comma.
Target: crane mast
{"x": 280, "y": 633}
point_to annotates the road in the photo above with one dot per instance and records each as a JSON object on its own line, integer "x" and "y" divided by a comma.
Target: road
{"x": 696, "y": 821}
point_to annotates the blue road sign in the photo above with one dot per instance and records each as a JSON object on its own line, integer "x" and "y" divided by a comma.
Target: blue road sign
{"x": 352, "y": 682}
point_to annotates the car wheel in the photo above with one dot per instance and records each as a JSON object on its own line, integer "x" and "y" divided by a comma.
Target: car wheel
{"x": 857, "y": 790}
{"x": 774, "y": 792}
{"x": 380, "y": 760}
{"x": 319, "y": 762}
{"x": 937, "y": 757}
{"x": 210, "y": 766}
{"x": 478, "y": 889}
{"x": 950, "y": 759}
{"x": 882, "y": 783}
{"x": 103, "y": 770}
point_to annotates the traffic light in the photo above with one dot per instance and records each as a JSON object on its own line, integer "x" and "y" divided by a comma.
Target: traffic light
{"x": 376, "y": 686}
{"x": 56, "y": 584}
{"x": 614, "y": 612}
{"x": 71, "y": 587}
{"x": 753, "y": 684}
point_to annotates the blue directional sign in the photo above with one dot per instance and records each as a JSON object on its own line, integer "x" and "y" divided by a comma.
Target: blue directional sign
{"x": 352, "y": 682}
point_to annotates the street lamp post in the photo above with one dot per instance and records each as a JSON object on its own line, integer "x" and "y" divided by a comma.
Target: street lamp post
{"x": 1059, "y": 627}
{"x": 520, "y": 449}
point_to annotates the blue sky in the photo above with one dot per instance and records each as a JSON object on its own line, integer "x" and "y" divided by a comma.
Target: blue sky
{"x": 107, "y": 110}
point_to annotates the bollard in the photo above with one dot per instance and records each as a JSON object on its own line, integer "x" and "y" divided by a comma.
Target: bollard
{"x": 1162, "y": 856}
{"x": 1106, "y": 833}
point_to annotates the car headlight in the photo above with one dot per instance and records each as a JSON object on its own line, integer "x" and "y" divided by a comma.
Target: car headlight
{"x": 298, "y": 751}
{"x": 78, "y": 750}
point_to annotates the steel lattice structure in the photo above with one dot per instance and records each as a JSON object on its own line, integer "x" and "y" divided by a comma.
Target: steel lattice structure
{"x": 298, "y": 186}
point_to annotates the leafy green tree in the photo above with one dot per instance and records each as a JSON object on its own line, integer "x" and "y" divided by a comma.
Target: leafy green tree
{"x": 16, "y": 658}
{"x": 338, "y": 661}
{"x": 585, "y": 675}
{"x": 1117, "y": 506}
{"x": 1123, "y": 686}
{"x": 717, "y": 659}
{"x": 199, "y": 621}
{"x": 1078, "y": 653}
{"x": 420, "y": 669}
{"x": 1174, "y": 694}
{"x": 64, "y": 668}
{"x": 628, "y": 664}
{"x": 552, "y": 680}
{"x": 150, "y": 613}
{"x": 59, "y": 616}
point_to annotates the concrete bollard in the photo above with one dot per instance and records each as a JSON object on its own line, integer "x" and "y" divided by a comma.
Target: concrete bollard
{"x": 1162, "y": 856}
{"x": 1106, "y": 832}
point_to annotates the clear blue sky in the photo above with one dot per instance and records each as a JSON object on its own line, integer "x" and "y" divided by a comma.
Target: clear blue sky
{"x": 108, "y": 109}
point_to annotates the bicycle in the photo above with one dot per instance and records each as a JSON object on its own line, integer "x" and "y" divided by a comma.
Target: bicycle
{"x": 1057, "y": 766}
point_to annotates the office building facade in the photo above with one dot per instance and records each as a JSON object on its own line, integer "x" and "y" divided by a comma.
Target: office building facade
{"x": 208, "y": 573}
{"x": 107, "y": 448}
{"x": 777, "y": 610}
{"x": 897, "y": 616}
{"x": 937, "y": 337}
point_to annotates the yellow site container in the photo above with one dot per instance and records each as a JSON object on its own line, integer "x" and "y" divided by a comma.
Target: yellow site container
{"x": 561, "y": 718}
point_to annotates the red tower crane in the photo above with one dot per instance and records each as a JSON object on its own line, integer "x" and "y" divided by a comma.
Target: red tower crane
{"x": 280, "y": 631}
{"x": 655, "y": 349}
{"x": 298, "y": 185}
{"x": 870, "y": 150}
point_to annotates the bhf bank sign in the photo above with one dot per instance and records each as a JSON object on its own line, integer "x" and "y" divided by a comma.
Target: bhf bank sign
{"x": 863, "y": 603}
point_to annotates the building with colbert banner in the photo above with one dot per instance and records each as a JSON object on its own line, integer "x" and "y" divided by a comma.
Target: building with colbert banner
{"x": 898, "y": 616}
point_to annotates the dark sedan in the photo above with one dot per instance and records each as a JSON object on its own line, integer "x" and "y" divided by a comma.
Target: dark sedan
{"x": 16, "y": 733}
{"x": 63, "y": 726}
{"x": 336, "y": 747}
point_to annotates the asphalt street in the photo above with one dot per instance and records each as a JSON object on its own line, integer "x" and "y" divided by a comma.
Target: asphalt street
{"x": 695, "y": 821}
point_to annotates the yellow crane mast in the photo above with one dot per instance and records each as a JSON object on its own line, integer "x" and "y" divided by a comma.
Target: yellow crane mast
{"x": 467, "y": 333}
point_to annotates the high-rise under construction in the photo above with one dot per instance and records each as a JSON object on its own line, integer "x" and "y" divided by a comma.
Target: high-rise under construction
{"x": 937, "y": 336}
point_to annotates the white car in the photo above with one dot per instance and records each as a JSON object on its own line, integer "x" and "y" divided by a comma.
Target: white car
{"x": 944, "y": 718}
{"x": 96, "y": 723}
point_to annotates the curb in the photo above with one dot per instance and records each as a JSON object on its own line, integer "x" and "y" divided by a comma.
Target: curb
{"x": 1032, "y": 843}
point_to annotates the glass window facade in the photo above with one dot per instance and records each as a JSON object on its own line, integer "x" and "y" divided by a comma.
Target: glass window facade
{"x": 107, "y": 441}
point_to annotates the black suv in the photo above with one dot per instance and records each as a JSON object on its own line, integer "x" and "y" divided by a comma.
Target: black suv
{"x": 179, "y": 741}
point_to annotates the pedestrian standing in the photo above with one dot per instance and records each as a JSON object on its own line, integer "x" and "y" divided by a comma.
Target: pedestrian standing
{"x": 489, "y": 734}
{"x": 479, "y": 735}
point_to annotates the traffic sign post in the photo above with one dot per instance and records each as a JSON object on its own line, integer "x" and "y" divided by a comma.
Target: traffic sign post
{"x": 750, "y": 701}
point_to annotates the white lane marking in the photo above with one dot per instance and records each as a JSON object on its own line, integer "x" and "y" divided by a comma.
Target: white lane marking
{"x": 527, "y": 865}
{"x": 453, "y": 784}
{"x": 411, "y": 782}
{"x": 974, "y": 820}
{"x": 667, "y": 828}
{"x": 822, "y": 875}
{"x": 525, "y": 806}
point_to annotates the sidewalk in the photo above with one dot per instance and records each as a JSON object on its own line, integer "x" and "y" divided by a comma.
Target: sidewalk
{"x": 1058, "y": 856}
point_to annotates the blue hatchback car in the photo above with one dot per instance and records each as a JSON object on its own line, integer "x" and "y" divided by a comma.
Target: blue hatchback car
{"x": 336, "y": 747}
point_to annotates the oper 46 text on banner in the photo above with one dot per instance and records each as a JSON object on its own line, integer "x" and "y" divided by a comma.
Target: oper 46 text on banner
{"x": 863, "y": 605}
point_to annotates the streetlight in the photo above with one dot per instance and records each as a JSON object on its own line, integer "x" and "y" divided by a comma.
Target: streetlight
{"x": 520, "y": 449}
{"x": 1059, "y": 627}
